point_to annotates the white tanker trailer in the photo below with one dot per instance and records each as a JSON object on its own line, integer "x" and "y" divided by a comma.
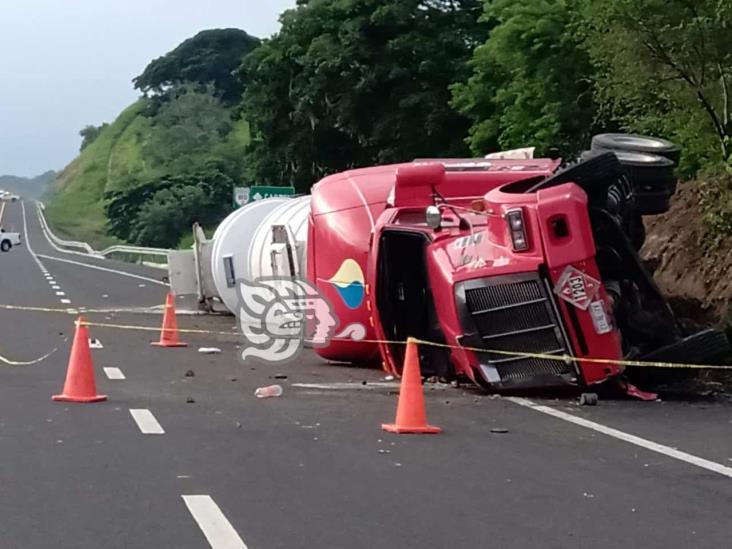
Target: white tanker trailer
{"x": 261, "y": 239}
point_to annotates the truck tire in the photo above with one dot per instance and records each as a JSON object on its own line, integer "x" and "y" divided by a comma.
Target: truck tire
{"x": 5, "y": 245}
{"x": 652, "y": 177}
{"x": 700, "y": 348}
{"x": 636, "y": 143}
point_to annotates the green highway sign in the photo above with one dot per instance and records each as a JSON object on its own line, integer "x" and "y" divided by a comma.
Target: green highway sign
{"x": 261, "y": 192}
{"x": 245, "y": 195}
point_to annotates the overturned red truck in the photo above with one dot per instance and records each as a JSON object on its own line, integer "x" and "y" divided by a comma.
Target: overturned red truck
{"x": 507, "y": 265}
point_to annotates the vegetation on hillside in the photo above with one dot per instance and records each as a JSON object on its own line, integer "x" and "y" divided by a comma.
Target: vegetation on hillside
{"x": 349, "y": 83}
{"x": 168, "y": 160}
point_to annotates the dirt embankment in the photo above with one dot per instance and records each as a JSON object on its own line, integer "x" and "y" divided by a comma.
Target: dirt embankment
{"x": 698, "y": 278}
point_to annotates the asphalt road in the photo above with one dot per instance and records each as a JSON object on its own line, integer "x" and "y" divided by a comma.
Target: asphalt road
{"x": 312, "y": 468}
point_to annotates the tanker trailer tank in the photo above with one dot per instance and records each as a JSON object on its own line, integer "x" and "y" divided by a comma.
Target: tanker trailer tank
{"x": 261, "y": 239}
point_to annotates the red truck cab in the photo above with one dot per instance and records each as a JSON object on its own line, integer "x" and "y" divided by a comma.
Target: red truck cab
{"x": 494, "y": 265}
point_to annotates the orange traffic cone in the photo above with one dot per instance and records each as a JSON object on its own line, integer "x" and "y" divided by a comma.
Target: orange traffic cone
{"x": 169, "y": 331}
{"x": 411, "y": 416}
{"x": 80, "y": 385}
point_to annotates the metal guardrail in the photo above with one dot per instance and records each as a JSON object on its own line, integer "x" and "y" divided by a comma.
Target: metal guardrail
{"x": 86, "y": 249}
{"x": 59, "y": 241}
{"x": 138, "y": 250}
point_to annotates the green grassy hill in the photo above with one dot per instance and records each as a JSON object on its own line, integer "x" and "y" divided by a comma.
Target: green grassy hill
{"x": 76, "y": 206}
{"x": 169, "y": 159}
{"x": 117, "y": 160}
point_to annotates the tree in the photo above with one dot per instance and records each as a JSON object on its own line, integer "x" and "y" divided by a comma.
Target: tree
{"x": 667, "y": 61}
{"x": 159, "y": 211}
{"x": 186, "y": 129}
{"x": 89, "y": 134}
{"x": 210, "y": 57}
{"x": 531, "y": 81}
{"x": 355, "y": 82}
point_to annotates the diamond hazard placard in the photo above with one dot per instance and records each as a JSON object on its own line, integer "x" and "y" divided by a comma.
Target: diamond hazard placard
{"x": 577, "y": 288}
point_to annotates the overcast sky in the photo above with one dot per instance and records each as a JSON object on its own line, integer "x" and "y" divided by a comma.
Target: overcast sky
{"x": 68, "y": 63}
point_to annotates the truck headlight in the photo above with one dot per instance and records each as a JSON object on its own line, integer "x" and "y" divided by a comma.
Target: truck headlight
{"x": 517, "y": 228}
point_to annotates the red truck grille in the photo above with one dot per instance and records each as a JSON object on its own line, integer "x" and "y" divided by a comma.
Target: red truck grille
{"x": 514, "y": 313}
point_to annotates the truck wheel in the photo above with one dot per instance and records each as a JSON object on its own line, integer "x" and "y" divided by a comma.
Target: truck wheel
{"x": 699, "y": 348}
{"x": 5, "y": 245}
{"x": 637, "y": 143}
{"x": 651, "y": 176}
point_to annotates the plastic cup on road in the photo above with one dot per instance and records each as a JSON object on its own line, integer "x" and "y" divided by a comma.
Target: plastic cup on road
{"x": 269, "y": 391}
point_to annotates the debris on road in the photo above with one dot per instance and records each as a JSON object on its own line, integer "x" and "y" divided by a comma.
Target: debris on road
{"x": 500, "y": 430}
{"x": 269, "y": 391}
{"x": 209, "y": 350}
{"x": 190, "y": 373}
{"x": 95, "y": 344}
{"x": 280, "y": 376}
{"x": 190, "y": 400}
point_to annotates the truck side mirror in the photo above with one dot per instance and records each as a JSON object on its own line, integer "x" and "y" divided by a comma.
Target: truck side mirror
{"x": 433, "y": 217}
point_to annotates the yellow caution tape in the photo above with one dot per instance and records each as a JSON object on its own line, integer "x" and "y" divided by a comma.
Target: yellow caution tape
{"x": 82, "y": 310}
{"x": 9, "y": 362}
{"x": 158, "y": 329}
{"x": 519, "y": 354}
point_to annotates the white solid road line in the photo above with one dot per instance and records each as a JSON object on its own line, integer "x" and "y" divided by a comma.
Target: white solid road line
{"x": 147, "y": 422}
{"x": 114, "y": 373}
{"x": 80, "y": 254}
{"x": 105, "y": 269}
{"x": 27, "y": 239}
{"x": 218, "y": 530}
{"x": 345, "y": 386}
{"x": 626, "y": 437}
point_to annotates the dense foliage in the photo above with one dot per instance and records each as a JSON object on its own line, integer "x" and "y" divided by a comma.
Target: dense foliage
{"x": 355, "y": 82}
{"x": 193, "y": 160}
{"x": 665, "y": 67}
{"x": 157, "y": 212}
{"x": 210, "y": 57}
{"x": 349, "y": 83}
{"x": 89, "y": 134}
{"x": 531, "y": 81}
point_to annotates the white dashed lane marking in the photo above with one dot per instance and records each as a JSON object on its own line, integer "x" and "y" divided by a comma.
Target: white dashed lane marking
{"x": 146, "y": 422}
{"x": 114, "y": 373}
{"x": 65, "y": 301}
{"x": 218, "y": 530}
